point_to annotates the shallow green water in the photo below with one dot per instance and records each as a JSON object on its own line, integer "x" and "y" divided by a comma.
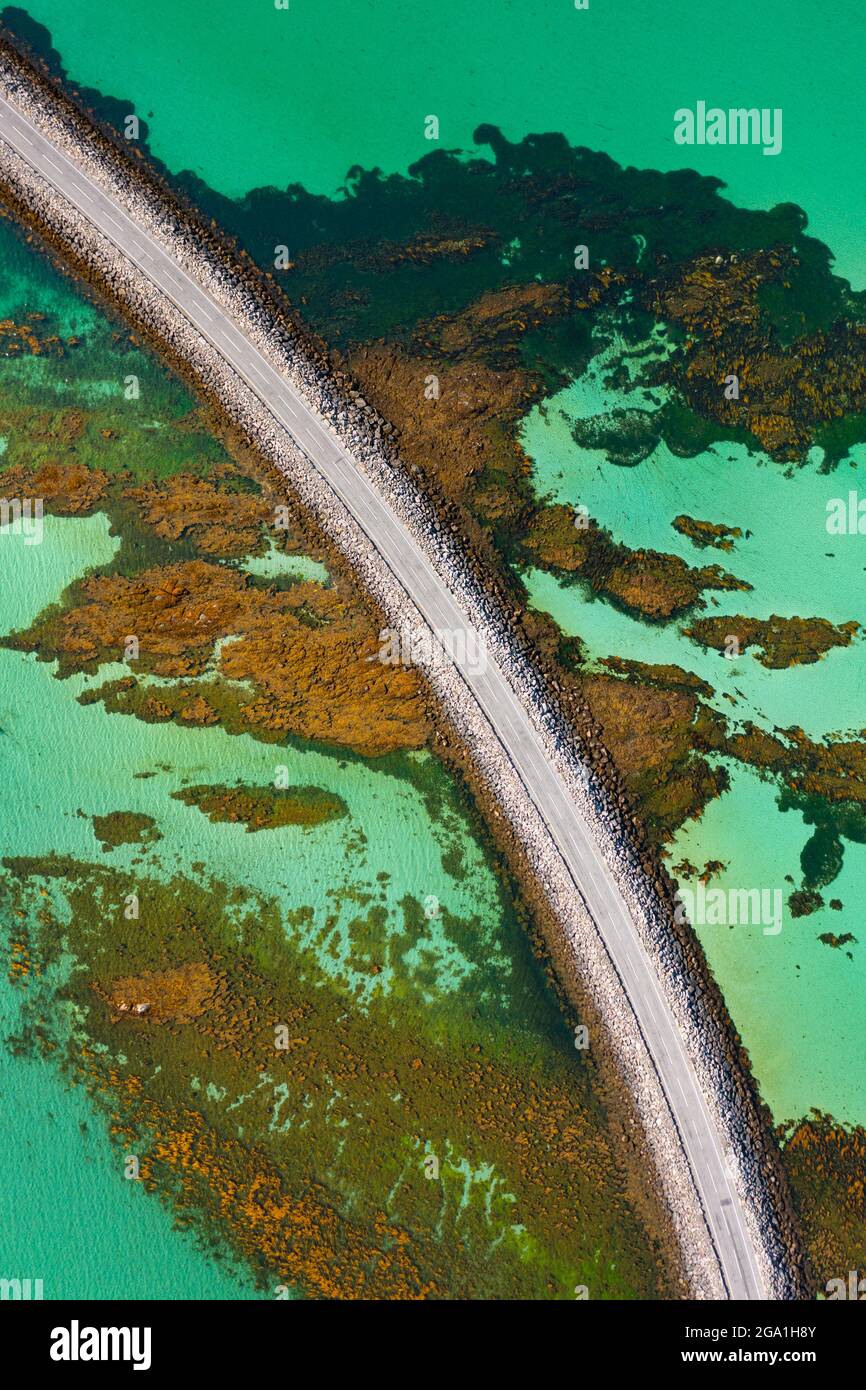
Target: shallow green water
{"x": 800, "y": 1005}
{"x": 86, "y": 760}
{"x": 62, "y": 1177}
{"x": 801, "y": 1055}
{"x": 277, "y": 562}
{"x": 62, "y": 763}
{"x": 795, "y": 567}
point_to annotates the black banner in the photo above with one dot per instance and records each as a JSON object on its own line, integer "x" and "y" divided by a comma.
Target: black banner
{"x": 63, "y": 1339}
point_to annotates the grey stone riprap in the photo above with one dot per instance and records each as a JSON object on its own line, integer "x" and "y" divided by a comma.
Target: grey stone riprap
{"x": 366, "y": 438}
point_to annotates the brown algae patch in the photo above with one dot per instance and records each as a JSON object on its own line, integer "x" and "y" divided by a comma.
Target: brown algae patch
{"x": 707, "y": 533}
{"x": 644, "y": 582}
{"x": 265, "y": 808}
{"x": 227, "y": 522}
{"x": 308, "y": 651}
{"x": 826, "y": 1166}
{"x": 780, "y": 642}
{"x": 161, "y": 996}
{"x": 124, "y": 828}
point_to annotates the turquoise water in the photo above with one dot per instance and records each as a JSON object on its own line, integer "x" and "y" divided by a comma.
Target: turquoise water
{"x": 325, "y": 868}
{"x": 67, "y": 1211}
{"x": 781, "y": 990}
{"x": 60, "y": 759}
{"x": 61, "y": 763}
{"x": 246, "y": 95}
{"x": 69, "y": 1218}
{"x": 68, "y": 312}
{"x": 277, "y": 562}
{"x": 795, "y": 568}
{"x": 800, "y": 1005}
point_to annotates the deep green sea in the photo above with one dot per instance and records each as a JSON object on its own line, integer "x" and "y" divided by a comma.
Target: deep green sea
{"x": 247, "y": 95}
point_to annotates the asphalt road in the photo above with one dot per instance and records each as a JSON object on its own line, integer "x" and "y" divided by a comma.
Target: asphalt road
{"x": 702, "y": 1142}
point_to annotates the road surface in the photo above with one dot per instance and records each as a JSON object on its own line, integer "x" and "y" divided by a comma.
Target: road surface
{"x": 702, "y": 1142}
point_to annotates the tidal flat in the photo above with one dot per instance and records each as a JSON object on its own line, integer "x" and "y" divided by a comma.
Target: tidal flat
{"x": 329, "y": 1051}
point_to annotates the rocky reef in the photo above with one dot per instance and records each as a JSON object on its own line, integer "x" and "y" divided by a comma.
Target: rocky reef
{"x": 301, "y": 660}
{"x": 643, "y": 582}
